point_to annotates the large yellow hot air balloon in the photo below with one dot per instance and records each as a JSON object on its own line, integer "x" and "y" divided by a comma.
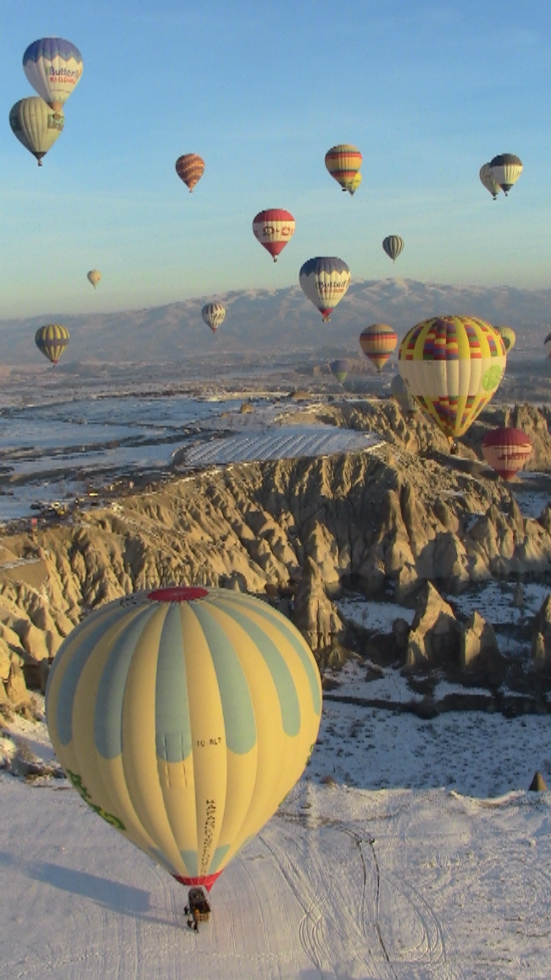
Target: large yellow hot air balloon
{"x": 378, "y": 342}
{"x": 452, "y": 365}
{"x": 343, "y": 163}
{"x": 324, "y": 280}
{"x": 52, "y": 340}
{"x": 190, "y": 168}
{"x": 183, "y": 717}
{"x": 36, "y": 125}
{"x": 94, "y": 277}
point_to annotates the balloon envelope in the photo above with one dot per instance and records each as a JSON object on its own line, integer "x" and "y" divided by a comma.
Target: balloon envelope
{"x": 393, "y": 245}
{"x": 54, "y": 67}
{"x": 506, "y": 450}
{"x": 378, "y": 342}
{"x": 52, "y": 340}
{"x": 354, "y": 183}
{"x": 452, "y": 365}
{"x": 508, "y": 337}
{"x": 36, "y": 125}
{"x": 340, "y": 369}
{"x": 547, "y": 345}
{"x": 506, "y": 169}
{"x": 183, "y": 717}
{"x": 399, "y": 392}
{"x": 273, "y": 229}
{"x": 94, "y": 277}
{"x": 190, "y": 168}
{"x": 214, "y": 315}
{"x": 488, "y": 181}
{"x": 343, "y": 163}
{"x": 324, "y": 280}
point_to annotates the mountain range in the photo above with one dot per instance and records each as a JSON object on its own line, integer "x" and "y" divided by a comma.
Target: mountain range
{"x": 260, "y": 320}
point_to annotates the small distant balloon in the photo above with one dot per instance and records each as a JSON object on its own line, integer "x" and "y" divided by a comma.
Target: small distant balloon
{"x": 214, "y": 315}
{"x": 54, "y": 68}
{"x": 488, "y": 181}
{"x": 377, "y": 343}
{"x": 340, "y": 368}
{"x": 506, "y": 169}
{"x": 506, "y": 450}
{"x": 52, "y": 340}
{"x": 324, "y": 280}
{"x": 190, "y": 168}
{"x": 273, "y": 229}
{"x": 343, "y": 163}
{"x": 354, "y": 183}
{"x": 508, "y": 337}
{"x": 36, "y": 125}
{"x": 547, "y": 345}
{"x": 393, "y": 245}
{"x": 94, "y": 277}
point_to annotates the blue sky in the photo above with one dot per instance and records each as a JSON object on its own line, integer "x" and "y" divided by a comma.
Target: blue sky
{"x": 429, "y": 91}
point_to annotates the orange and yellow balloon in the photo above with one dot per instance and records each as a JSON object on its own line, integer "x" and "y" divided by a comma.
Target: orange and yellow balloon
{"x": 452, "y": 365}
{"x": 183, "y": 717}
{"x": 378, "y": 342}
{"x": 343, "y": 163}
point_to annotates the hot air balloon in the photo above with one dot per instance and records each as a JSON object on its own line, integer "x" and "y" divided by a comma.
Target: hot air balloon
{"x": 324, "y": 280}
{"x": 52, "y": 340}
{"x": 274, "y": 228}
{"x": 213, "y": 314}
{"x": 399, "y": 392}
{"x": 343, "y": 162}
{"x": 452, "y": 365}
{"x": 36, "y": 125}
{"x": 190, "y": 168}
{"x": 393, "y": 245}
{"x": 506, "y": 170}
{"x": 506, "y": 450}
{"x": 354, "y": 183}
{"x": 378, "y": 342}
{"x": 53, "y": 67}
{"x": 488, "y": 181}
{"x": 94, "y": 277}
{"x": 547, "y": 345}
{"x": 340, "y": 369}
{"x": 508, "y": 337}
{"x": 183, "y": 717}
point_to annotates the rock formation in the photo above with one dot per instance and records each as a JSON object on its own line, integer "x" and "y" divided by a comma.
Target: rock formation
{"x": 541, "y": 637}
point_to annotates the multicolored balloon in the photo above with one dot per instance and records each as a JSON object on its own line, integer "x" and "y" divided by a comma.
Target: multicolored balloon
{"x": 508, "y": 337}
{"x": 54, "y": 68}
{"x": 340, "y": 369}
{"x": 52, "y": 340}
{"x": 452, "y": 365}
{"x": 214, "y": 315}
{"x": 506, "y": 450}
{"x": 36, "y": 125}
{"x": 190, "y": 168}
{"x": 377, "y": 343}
{"x": 183, "y": 717}
{"x": 324, "y": 280}
{"x": 393, "y": 245}
{"x": 506, "y": 170}
{"x": 273, "y": 229}
{"x": 354, "y": 183}
{"x": 343, "y": 163}
{"x": 94, "y": 277}
{"x": 488, "y": 181}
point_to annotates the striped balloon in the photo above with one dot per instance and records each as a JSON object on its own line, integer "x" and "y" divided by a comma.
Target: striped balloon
{"x": 183, "y": 717}
{"x": 324, "y": 280}
{"x": 393, "y": 245}
{"x": 54, "y": 67}
{"x": 52, "y": 340}
{"x": 378, "y": 342}
{"x": 343, "y": 163}
{"x": 506, "y": 450}
{"x": 506, "y": 169}
{"x": 214, "y": 315}
{"x": 273, "y": 229}
{"x": 190, "y": 168}
{"x": 452, "y": 365}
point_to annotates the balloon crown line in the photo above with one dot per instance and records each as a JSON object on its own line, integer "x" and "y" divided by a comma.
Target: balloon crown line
{"x": 177, "y": 593}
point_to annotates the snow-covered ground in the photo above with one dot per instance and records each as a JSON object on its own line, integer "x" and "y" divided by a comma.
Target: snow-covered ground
{"x": 410, "y": 850}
